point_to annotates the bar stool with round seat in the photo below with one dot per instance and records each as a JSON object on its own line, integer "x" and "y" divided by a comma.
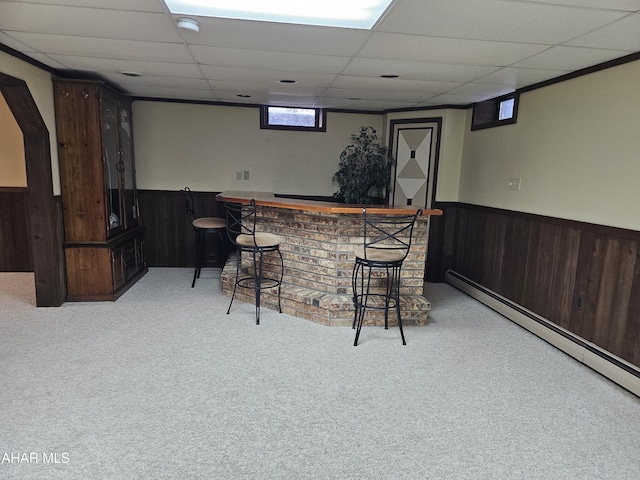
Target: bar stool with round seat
{"x": 204, "y": 227}
{"x": 241, "y": 231}
{"x": 386, "y": 243}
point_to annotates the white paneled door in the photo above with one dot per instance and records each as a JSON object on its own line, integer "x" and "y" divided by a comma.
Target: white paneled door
{"x": 414, "y": 148}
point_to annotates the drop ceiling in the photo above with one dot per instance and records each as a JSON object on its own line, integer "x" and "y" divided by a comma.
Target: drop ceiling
{"x": 444, "y": 52}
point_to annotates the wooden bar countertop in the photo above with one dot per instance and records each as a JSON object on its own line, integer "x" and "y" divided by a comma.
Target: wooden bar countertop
{"x": 267, "y": 199}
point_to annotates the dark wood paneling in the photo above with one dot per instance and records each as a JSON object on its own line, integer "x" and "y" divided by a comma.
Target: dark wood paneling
{"x": 15, "y": 244}
{"x": 44, "y": 218}
{"x": 631, "y": 345}
{"x": 593, "y": 287}
{"x": 492, "y": 255}
{"x": 169, "y": 235}
{"x": 514, "y": 261}
{"x": 580, "y": 276}
{"x": 622, "y": 281}
{"x": 577, "y": 322}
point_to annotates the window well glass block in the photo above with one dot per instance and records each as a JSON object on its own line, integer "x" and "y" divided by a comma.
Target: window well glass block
{"x": 292, "y": 117}
{"x": 506, "y": 109}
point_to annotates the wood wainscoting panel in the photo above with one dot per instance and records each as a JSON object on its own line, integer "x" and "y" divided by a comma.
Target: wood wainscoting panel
{"x": 631, "y": 345}
{"x": 582, "y": 277}
{"x": 15, "y": 238}
{"x": 170, "y": 238}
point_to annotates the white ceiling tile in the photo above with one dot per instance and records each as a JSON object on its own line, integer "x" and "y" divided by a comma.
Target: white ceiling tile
{"x": 372, "y": 105}
{"x": 138, "y": 5}
{"x": 47, "y": 60}
{"x": 232, "y": 97}
{"x": 157, "y": 81}
{"x": 11, "y": 42}
{"x": 87, "y": 22}
{"x": 265, "y": 99}
{"x": 231, "y": 74}
{"x": 366, "y": 94}
{"x": 452, "y": 52}
{"x": 393, "y": 84}
{"x": 628, "y": 5}
{"x": 623, "y": 34}
{"x": 274, "y": 89}
{"x": 495, "y": 20}
{"x": 232, "y": 57}
{"x": 105, "y": 47}
{"x": 174, "y": 93}
{"x": 106, "y": 65}
{"x": 437, "y": 72}
{"x": 481, "y": 90}
{"x": 520, "y": 77}
{"x": 447, "y": 50}
{"x": 292, "y": 101}
{"x": 446, "y": 99}
{"x": 569, "y": 58}
{"x": 279, "y": 37}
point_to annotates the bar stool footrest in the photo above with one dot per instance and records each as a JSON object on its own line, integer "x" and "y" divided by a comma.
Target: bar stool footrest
{"x": 265, "y": 283}
{"x": 377, "y": 301}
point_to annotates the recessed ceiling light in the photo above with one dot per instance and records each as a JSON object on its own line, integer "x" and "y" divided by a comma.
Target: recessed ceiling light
{"x": 128, "y": 73}
{"x": 389, "y": 76}
{"x": 287, "y": 81}
{"x": 188, "y": 24}
{"x": 328, "y": 13}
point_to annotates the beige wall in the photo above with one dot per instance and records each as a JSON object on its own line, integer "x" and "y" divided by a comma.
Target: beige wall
{"x": 13, "y": 172}
{"x": 41, "y": 88}
{"x": 576, "y": 147}
{"x": 203, "y": 146}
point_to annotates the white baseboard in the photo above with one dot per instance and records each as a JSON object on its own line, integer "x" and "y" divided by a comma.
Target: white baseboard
{"x": 614, "y": 368}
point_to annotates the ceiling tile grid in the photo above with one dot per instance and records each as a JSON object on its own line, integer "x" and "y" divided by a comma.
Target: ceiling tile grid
{"x": 443, "y": 52}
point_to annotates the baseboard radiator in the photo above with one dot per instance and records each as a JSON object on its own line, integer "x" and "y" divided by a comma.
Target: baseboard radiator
{"x": 616, "y": 369}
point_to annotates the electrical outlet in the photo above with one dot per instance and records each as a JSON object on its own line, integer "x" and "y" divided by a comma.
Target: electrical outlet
{"x": 238, "y": 175}
{"x": 246, "y": 174}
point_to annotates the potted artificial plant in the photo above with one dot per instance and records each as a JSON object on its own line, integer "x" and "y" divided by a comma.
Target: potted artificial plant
{"x": 364, "y": 170}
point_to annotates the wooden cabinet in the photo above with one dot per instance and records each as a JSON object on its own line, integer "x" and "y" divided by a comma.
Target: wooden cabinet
{"x": 104, "y": 237}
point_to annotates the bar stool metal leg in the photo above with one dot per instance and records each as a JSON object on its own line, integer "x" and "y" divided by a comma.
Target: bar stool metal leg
{"x": 361, "y": 301}
{"x": 257, "y": 276}
{"x": 235, "y": 283}
{"x": 198, "y": 251}
{"x": 395, "y": 281}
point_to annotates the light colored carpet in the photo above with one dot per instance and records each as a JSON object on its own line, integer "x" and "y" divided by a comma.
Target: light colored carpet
{"x": 163, "y": 385}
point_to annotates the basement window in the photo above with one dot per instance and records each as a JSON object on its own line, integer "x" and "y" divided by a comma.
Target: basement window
{"x": 495, "y": 112}
{"x": 293, "y": 118}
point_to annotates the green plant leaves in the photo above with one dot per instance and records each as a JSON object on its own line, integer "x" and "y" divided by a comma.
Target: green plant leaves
{"x": 363, "y": 173}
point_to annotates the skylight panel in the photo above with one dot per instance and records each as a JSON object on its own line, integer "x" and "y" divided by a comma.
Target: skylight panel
{"x": 327, "y": 13}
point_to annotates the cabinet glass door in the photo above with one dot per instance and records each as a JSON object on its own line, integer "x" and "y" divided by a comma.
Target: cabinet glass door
{"x": 111, "y": 159}
{"x": 130, "y": 208}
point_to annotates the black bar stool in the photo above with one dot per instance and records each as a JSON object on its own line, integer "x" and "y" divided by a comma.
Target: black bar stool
{"x": 203, "y": 228}
{"x": 386, "y": 243}
{"x": 241, "y": 230}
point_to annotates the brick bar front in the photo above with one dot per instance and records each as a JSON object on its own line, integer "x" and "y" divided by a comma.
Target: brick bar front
{"x": 318, "y": 250}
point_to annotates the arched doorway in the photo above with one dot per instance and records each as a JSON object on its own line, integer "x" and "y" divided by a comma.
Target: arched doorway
{"x": 44, "y": 215}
